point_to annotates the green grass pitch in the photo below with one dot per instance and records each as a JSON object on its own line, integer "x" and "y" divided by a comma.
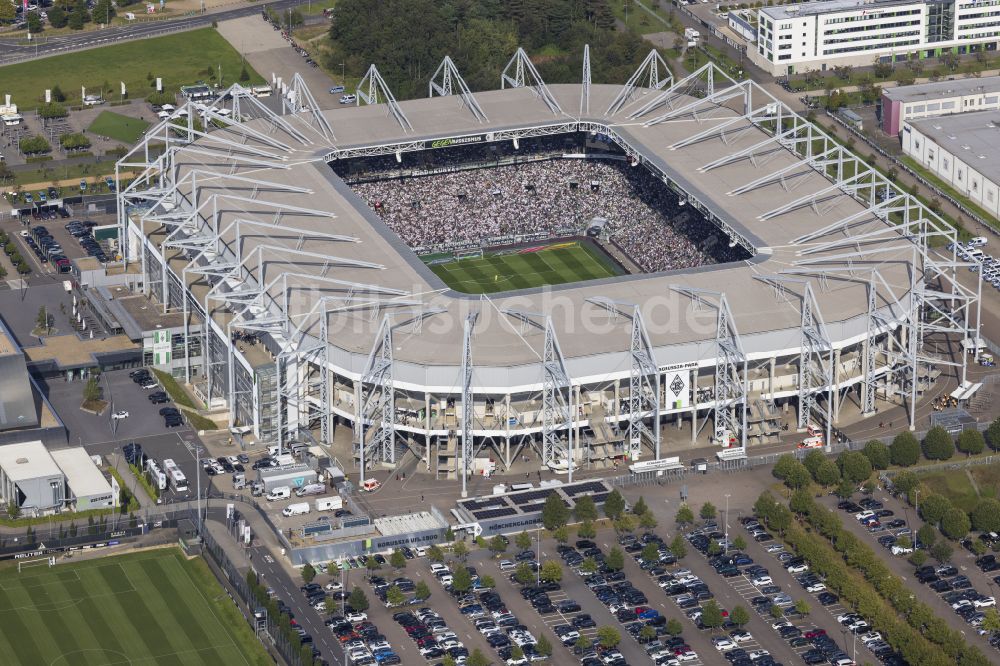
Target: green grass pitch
{"x": 144, "y": 608}
{"x": 121, "y": 128}
{"x": 555, "y": 264}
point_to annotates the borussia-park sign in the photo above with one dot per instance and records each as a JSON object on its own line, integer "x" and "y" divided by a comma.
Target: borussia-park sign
{"x": 459, "y": 140}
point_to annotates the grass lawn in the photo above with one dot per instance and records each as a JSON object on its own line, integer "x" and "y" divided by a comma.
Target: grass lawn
{"x": 987, "y": 478}
{"x": 955, "y": 485}
{"x": 638, "y": 19}
{"x": 179, "y": 59}
{"x": 118, "y": 127}
{"x": 154, "y": 608}
{"x": 948, "y": 189}
{"x": 530, "y": 267}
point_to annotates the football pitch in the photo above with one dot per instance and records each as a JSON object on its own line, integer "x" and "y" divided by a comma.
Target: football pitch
{"x": 145, "y": 608}
{"x": 524, "y": 268}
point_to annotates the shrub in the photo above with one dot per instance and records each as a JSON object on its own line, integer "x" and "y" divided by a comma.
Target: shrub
{"x": 854, "y": 466}
{"x": 877, "y": 454}
{"x": 970, "y": 442}
{"x": 955, "y": 523}
{"x": 986, "y": 516}
{"x": 933, "y": 508}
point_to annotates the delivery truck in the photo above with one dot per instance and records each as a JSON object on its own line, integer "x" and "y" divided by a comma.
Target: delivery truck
{"x": 334, "y": 503}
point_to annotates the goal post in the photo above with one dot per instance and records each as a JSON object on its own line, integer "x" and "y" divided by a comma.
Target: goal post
{"x": 469, "y": 254}
{"x": 35, "y": 561}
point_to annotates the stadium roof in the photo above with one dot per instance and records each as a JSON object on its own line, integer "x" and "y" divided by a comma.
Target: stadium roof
{"x": 679, "y": 328}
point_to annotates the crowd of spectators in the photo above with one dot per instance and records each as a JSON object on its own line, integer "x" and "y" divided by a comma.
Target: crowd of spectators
{"x": 559, "y": 197}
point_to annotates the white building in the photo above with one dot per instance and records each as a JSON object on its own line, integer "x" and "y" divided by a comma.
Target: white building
{"x": 822, "y": 35}
{"x": 86, "y": 487}
{"x": 940, "y": 98}
{"x": 963, "y": 150}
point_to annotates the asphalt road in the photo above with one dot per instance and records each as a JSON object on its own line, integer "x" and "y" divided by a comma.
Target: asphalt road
{"x": 14, "y": 50}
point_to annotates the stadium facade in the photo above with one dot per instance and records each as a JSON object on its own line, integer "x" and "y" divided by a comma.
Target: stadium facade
{"x": 315, "y": 317}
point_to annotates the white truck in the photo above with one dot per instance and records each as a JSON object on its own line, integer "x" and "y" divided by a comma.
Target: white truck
{"x": 239, "y": 480}
{"x": 329, "y": 503}
{"x": 692, "y": 36}
{"x": 279, "y": 493}
{"x": 295, "y": 509}
{"x": 310, "y": 489}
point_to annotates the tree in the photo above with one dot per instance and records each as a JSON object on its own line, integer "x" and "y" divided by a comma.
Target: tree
{"x": 461, "y": 580}
{"x": 8, "y": 12}
{"x": 555, "y": 514}
{"x": 647, "y": 521}
{"x": 487, "y": 582}
{"x": 308, "y": 573}
{"x": 78, "y": 18}
{"x": 394, "y": 596}
{"x": 543, "y": 646}
{"x": 647, "y": 633}
{"x": 926, "y": 535}
{"x": 986, "y": 516}
{"x": 523, "y": 573}
{"x": 625, "y": 524}
{"x": 674, "y": 627}
{"x": 477, "y": 658}
{"x": 828, "y": 474}
{"x": 650, "y": 552}
{"x": 589, "y": 565}
{"x": 714, "y": 548}
{"x": 74, "y": 141}
{"x": 615, "y": 559}
{"x": 739, "y": 543}
{"x": 34, "y": 22}
{"x": 608, "y": 637}
{"x": 933, "y": 507}
{"x": 561, "y": 534}
{"x": 938, "y": 444}
{"x": 459, "y": 549}
{"x": 586, "y": 530}
{"x": 421, "y": 590}
{"x": 813, "y": 460}
{"x": 103, "y": 11}
{"x": 448, "y": 661}
{"x": 57, "y": 19}
{"x": 793, "y": 473}
{"x": 517, "y": 653}
{"x": 941, "y": 551}
{"x": 52, "y": 110}
{"x": 991, "y": 621}
{"x": 877, "y": 454}
{"x": 711, "y": 614}
{"x": 43, "y": 320}
{"x": 614, "y": 505}
{"x": 993, "y": 435}
{"x": 904, "y": 450}
{"x": 802, "y": 606}
{"x": 854, "y": 466}
{"x": 777, "y": 612}
{"x": 33, "y": 145}
{"x": 970, "y": 442}
{"x": 244, "y": 75}
{"x": 780, "y": 519}
{"x": 523, "y": 541}
{"x": 684, "y": 515}
{"x": 551, "y": 572}
{"x": 640, "y": 506}
{"x": 905, "y": 482}
{"x": 740, "y": 616}
{"x": 678, "y": 548}
{"x": 708, "y": 511}
{"x": 435, "y": 554}
{"x": 955, "y": 523}
{"x": 397, "y": 560}
{"x": 372, "y": 565}
{"x": 92, "y": 390}
{"x": 585, "y": 510}
{"x": 498, "y": 545}
{"x": 357, "y": 599}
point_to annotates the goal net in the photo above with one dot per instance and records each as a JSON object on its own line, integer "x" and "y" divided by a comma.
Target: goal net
{"x": 50, "y": 560}
{"x": 469, "y": 254}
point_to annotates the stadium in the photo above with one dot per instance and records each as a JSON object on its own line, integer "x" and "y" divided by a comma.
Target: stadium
{"x": 569, "y": 276}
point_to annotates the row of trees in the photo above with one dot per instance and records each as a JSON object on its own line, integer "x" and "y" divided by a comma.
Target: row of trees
{"x": 868, "y": 584}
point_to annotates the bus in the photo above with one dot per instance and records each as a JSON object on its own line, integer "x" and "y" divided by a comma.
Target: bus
{"x": 177, "y": 477}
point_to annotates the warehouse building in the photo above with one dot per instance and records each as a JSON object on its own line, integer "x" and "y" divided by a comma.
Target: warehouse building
{"x": 30, "y": 478}
{"x": 962, "y": 150}
{"x": 830, "y": 33}
{"x": 940, "y": 98}
{"x": 86, "y": 487}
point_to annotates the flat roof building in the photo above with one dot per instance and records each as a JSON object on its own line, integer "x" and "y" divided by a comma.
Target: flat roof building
{"x": 86, "y": 486}
{"x": 30, "y": 478}
{"x": 939, "y": 98}
{"x": 820, "y": 35}
{"x": 963, "y": 150}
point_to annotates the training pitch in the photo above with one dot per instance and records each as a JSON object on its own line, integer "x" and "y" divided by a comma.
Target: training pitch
{"x": 145, "y": 608}
{"x": 523, "y": 268}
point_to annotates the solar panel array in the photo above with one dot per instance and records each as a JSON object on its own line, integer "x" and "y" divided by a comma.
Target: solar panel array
{"x": 529, "y": 496}
{"x": 483, "y": 514}
{"x": 584, "y": 487}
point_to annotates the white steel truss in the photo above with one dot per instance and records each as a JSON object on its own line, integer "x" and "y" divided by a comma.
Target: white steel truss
{"x": 450, "y": 80}
{"x": 468, "y": 446}
{"x": 585, "y": 81}
{"x": 644, "y": 380}
{"x": 300, "y": 99}
{"x": 372, "y": 89}
{"x": 652, "y": 74}
{"x": 524, "y": 75}
{"x": 731, "y": 381}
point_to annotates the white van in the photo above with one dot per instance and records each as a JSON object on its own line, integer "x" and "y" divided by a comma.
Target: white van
{"x": 279, "y": 493}
{"x": 978, "y": 241}
{"x": 295, "y": 509}
{"x": 310, "y": 489}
